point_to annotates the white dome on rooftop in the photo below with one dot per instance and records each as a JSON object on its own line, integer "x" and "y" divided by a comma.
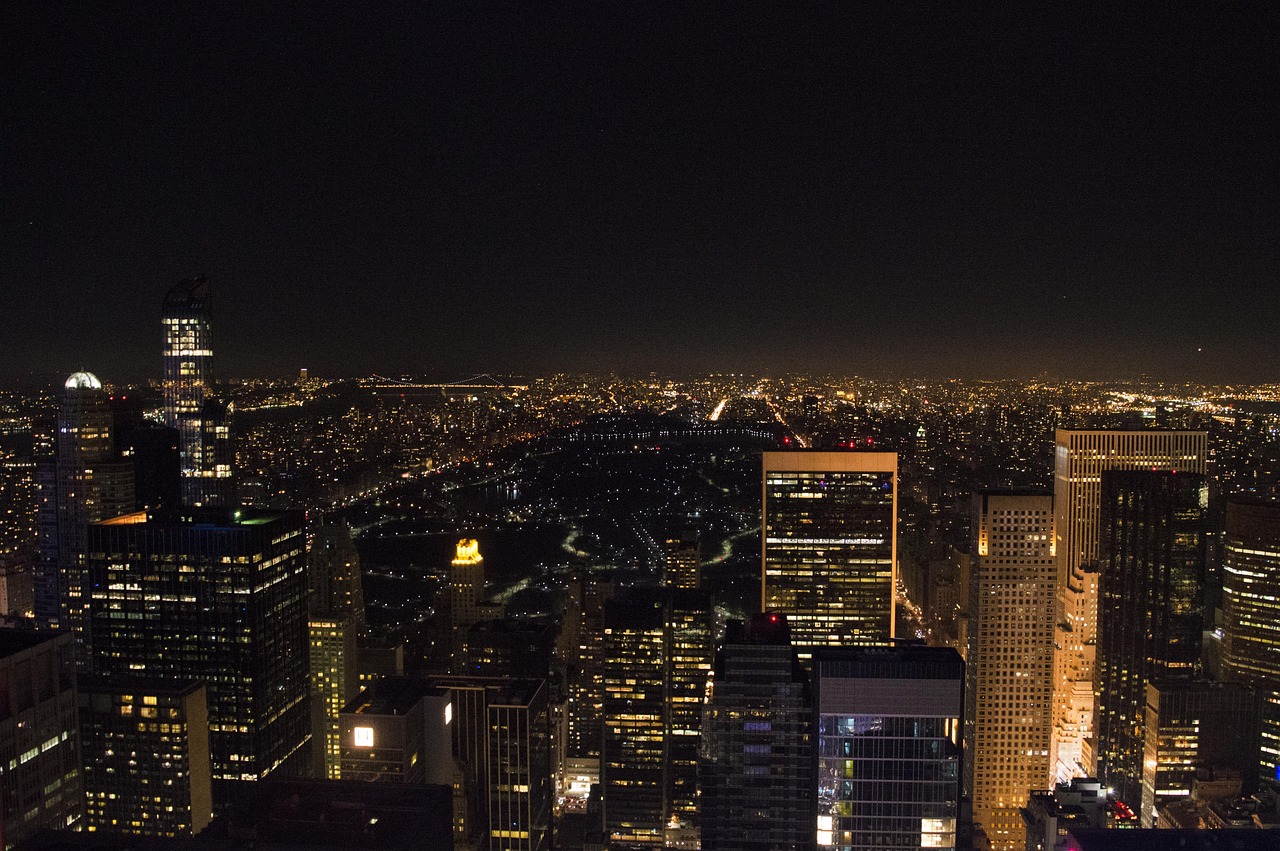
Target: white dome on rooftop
{"x": 82, "y": 381}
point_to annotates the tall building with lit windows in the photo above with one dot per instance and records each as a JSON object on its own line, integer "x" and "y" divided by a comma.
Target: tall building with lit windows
{"x": 1150, "y": 608}
{"x": 632, "y": 763}
{"x": 1080, "y": 457}
{"x": 830, "y": 545}
{"x": 1013, "y": 592}
{"x": 888, "y": 747}
{"x": 690, "y": 651}
{"x": 146, "y": 756}
{"x": 83, "y": 483}
{"x": 466, "y": 592}
{"x": 1251, "y": 613}
{"x": 682, "y": 557}
{"x": 215, "y": 596}
{"x": 203, "y": 432}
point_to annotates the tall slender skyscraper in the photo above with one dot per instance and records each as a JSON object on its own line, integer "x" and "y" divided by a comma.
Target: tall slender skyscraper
{"x": 1010, "y": 658}
{"x": 691, "y": 645}
{"x": 1251, "y": 613}
{"x": 84, "y": 483}
{"x": 830, "y": 536}
{"x": 1150, "y": 609}
{"x": 1079, "y": 459}
{"x": 188, "y": 353}
{"x": 682, "y": 555}
{"x": 466, "y": 591}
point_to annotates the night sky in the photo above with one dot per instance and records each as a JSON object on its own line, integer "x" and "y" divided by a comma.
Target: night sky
{"x": 932, "y": 190}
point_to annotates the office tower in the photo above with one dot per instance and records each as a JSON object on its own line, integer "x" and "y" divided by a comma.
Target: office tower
{"x": 466, "y": 592}
{"x": 215, "y": 596}
{"x": 682, "y": 559}
{"x": 690, "y": 651}
{"x": 146, "y": 756}
{"x": 40, "y": 784}
{"x": 635, "y": 698}
{"x": 85, "y": 483}
{"x": 888, "y": 747}
{"x": 1082, "y": 802}
{"x": 501, "y": 735}
{"x": 1190, "y": 726}
{"x": 335, "y": 619}
{"x": 188, "y": 354}
{"x": 757, "y": 778}
{"x": 588, "y": 595}
{"x": 830, "y": 545}
{"x": 1079, "y": 460}
{"x": 1251, "y": 613}
{"x": 1150, "y": 607}
{"x": 398, "y": 731}
{"x": 1013, "y": 592}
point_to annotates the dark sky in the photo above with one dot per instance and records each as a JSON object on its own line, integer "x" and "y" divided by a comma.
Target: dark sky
{"x": 941, "y": 189}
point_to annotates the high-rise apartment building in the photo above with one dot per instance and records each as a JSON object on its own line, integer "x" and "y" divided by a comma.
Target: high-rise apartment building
{"x": 690, "y": 652}
{"x": 466, "y": 592}
{"x": 888, "y": 747}
{"x": 188, "y": 355}
{"x": 1190, "y": 726}
{"x": 1013, "y": 595}
{"x": 1150, "y": 608}
{"x": 682, "y": 559}
{"x": 1251, "y": 613}
{"x": 830, "y": 545}
{"x": 757, "y": 780}
{"x": 584, "y": 629}
{"x": 215, "y": 596}
{"x": 1080, "y": 457}
{"x": 85, "y": 482}
{"x": 40, "y": 782}
{"x": 146, "y": 756}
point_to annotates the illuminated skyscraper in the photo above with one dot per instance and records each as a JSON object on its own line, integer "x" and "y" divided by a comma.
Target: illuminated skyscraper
{"x": 691, "y": 645}
{"x": 682, "y": 556}
{"x": 203, "y": 432}
{"x": 466, "y": 591}
{"x": 83, "y": 484}
{"x": 1251, "y": 613}
{"x": 584, "y": 621}
{"x": 756, "y": 774}
{"x": 1150, "y": 609}
{"x": 888, "y": 747}
{"x": 830, "y": 545}
{"x": 1013, "y": 592}
{"x": 1079, "y": 460}
{"x": 219, "y": 597}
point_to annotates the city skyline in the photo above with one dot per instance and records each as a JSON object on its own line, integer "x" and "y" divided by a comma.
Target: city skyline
{"x": 976, "y": 192}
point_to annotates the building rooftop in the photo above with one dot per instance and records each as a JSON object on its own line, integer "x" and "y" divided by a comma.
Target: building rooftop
{"x": 13, "y": 641}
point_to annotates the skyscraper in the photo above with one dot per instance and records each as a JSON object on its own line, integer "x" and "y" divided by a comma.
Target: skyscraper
{"x": 1150, "y": 609}
{"x": 690, "y": 650}
{"x": 1251, "y": 613}
{"x": 1079, "y": 459}
{"x": 466, "y": 591}
{"x": 219, "y": 597}
{"x": 888, "y": 747}
{"x": 85, "y": 482}
{"x": 757, "y": 778}
{"x": 188, "y": 354}
{"x": 830, "y": 545}
{"x": 1010, "y": 658}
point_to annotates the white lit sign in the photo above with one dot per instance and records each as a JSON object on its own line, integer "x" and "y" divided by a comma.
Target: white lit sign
{"x": 448, "y": 714}
{"x": 363, "y": 737}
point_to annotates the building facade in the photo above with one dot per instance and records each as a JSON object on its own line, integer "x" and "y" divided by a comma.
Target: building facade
{"x": 888, "y": 747}
{"x": 830, "y": 545}
{"x": 1010, "y": 658}
{"x": 1080, "y": 457}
